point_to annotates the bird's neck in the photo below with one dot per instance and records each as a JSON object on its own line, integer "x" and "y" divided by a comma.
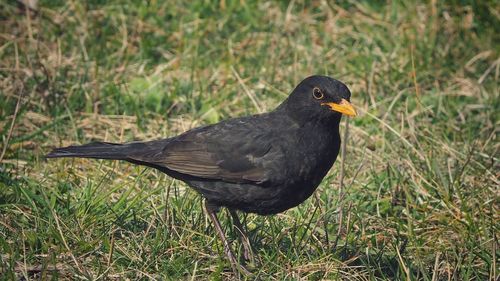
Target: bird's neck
{"x": 304, "y": 116}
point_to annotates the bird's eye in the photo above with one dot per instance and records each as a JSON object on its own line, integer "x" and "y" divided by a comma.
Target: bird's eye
{"x": 318, "y": 94}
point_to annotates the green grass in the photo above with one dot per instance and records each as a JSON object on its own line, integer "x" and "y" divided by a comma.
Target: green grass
{"x": 421, "y": 195}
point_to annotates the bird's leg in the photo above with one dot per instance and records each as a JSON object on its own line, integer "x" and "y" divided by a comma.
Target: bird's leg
{"x": 247, "y": 248}
{"x": 211, "y": 210}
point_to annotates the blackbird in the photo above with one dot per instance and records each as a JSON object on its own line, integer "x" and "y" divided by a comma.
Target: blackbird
{"x": 263, "y": 164}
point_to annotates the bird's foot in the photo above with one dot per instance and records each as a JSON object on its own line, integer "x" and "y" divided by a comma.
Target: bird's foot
{"x": 237, "y": 267}
{"x": 247, "y": 251}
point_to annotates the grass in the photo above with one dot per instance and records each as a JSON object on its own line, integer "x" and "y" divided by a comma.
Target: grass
{"x": 421, "y": 196}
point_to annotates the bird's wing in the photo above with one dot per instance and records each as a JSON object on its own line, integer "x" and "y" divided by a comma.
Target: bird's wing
{"x": 238, "y": 151}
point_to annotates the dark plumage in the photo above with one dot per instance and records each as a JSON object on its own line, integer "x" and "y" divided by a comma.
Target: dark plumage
{"x": 262, "y": 164}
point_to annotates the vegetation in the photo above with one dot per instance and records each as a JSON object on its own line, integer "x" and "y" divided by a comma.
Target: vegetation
{"x": 420, "y": 199}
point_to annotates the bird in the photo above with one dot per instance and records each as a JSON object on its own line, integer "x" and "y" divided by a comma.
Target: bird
{"x": 264, "y": 164}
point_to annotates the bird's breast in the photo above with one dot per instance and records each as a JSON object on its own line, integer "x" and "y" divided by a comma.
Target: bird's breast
{"x": 317, "y": 150}
{"x": 313, "y": 155}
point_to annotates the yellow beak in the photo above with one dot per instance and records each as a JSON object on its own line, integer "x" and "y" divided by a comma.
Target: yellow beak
{"x": 343, "y": 107}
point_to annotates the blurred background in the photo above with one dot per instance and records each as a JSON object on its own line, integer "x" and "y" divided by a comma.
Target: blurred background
{"x": 420, "y": 196}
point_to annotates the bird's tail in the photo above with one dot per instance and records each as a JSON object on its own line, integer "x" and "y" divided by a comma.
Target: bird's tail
{"x": 97, "y": 150}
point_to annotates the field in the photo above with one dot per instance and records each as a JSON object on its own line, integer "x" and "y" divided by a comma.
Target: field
{"x": 416, "y": 196}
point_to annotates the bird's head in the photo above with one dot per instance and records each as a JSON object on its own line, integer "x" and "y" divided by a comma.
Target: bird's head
{"x": 321, "y": 98}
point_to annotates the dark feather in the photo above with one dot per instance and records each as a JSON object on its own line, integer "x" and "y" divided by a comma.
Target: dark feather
{"x": 228, "y": 151}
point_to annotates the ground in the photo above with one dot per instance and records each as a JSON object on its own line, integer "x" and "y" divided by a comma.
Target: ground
{"x": 420, "y": 175}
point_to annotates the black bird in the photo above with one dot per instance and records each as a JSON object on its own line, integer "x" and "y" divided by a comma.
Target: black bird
{"x": 263, "y": 164}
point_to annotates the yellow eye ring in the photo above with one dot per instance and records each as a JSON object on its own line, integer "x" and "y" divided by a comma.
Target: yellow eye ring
{"x": 317, "y": 93}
